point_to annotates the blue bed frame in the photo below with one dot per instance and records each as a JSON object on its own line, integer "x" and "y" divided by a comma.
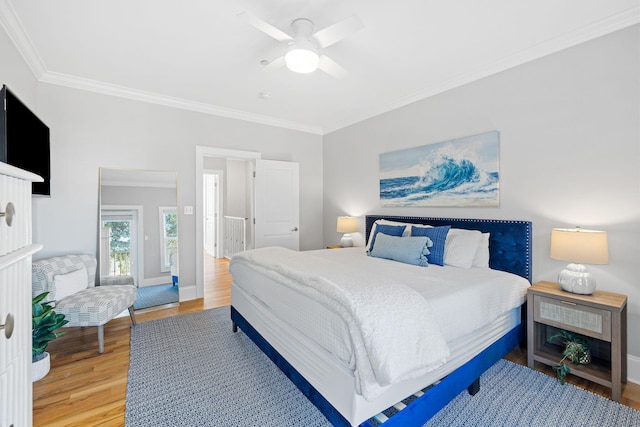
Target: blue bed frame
{"x": 509, "y": 250}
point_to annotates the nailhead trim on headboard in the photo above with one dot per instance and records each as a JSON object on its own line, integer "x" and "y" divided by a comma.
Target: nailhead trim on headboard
{"x": 509, "y": 244}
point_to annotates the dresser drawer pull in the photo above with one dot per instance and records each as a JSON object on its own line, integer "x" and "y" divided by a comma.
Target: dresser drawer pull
{"x": 9, "y": 213}
{"x": 568, "y": 302}
{"x": 8, "y": 326}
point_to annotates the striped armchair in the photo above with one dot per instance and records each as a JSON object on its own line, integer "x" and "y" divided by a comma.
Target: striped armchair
{"x": 70, "y": 281}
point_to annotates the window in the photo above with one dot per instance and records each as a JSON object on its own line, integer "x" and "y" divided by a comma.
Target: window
{"x": 168, "y": 237}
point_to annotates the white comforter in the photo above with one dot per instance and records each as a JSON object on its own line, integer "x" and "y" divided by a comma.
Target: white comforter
{"x": 374, "y": 307}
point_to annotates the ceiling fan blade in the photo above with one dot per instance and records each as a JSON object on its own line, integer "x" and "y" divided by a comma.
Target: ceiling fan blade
{"x": 338, "y": 31}
{"x": 330, "y": 67}
{"x": 274, "y": 64}
{"x": 265, "y": 27}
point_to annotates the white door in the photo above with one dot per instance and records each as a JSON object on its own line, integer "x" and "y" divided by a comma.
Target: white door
{"x": 277, "y": 204}
{"x": 210, "y": 213}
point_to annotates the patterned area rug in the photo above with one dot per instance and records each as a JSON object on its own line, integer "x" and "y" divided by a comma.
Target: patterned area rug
{"x": 191, "y": 370}
{"x": 150, "y": 296}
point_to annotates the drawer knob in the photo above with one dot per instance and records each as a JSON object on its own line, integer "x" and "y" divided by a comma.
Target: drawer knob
{"x": 9, "y": 213}
{"x": 8, "y": 326}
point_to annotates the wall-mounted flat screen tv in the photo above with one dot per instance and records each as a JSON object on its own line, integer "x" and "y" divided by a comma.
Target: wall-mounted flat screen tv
{"x": 24, "y": 140}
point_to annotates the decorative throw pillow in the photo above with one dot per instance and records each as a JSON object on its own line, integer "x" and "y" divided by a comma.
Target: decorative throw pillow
{"x": 407, "y": 230}
{"x": 391, "y": 230}
{"x": 410, "y": 250}
{"x": 438, "y": 236}
{"x": 461, "y": 246}
{"x": 481, "y": 258}
{"x": 70, "y": 283}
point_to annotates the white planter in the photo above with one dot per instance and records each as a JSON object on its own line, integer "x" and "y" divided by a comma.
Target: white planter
{"x": 40, "y": 368}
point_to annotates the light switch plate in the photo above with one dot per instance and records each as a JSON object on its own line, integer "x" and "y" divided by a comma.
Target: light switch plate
{"x": 188, "y": 210}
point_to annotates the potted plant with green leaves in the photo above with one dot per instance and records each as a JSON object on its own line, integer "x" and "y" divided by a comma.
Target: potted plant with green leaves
{"x": 44, "y": 322}
{"x": 576, "y": 350}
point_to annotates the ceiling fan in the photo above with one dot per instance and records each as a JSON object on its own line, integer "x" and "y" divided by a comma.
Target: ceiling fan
{"x": 303, "y": 52}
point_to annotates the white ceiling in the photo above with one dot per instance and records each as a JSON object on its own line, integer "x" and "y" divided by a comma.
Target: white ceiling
{"x": 198, "y": 55}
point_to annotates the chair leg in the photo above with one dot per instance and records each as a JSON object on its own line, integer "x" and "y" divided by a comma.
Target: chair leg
{"x": 101, "y": 339}
{"x": 133, "y": 316}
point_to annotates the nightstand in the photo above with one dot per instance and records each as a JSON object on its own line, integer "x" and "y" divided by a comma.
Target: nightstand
{"x": 601, "y": 316}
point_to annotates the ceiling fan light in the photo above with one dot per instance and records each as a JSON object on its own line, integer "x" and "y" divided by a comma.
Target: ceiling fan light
{"x": 301, "y": 60}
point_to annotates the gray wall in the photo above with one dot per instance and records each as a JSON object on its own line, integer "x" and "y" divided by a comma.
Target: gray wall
{"x": 569, "y": 154}
{"x": 236, "y": 183}
{"x": 90, "y": 130}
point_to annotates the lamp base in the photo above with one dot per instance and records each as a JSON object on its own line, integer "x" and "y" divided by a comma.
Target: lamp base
{"x": 346, "y": 241}
{"x": 576, "y": 279}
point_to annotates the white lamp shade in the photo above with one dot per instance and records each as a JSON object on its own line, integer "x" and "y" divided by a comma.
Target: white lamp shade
{"x": 579, "y": 246}
{"x": 347, "y": 224}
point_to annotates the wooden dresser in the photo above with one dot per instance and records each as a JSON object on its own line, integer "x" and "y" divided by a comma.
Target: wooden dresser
{"x": 16, "y": 249}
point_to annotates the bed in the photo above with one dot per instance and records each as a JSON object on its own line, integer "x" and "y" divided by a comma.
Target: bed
{"x": 305, "y": 337}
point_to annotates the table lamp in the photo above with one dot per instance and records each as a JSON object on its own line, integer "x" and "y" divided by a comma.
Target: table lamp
{"x": 579, "y": 246}
{"x": 347, "y": 224}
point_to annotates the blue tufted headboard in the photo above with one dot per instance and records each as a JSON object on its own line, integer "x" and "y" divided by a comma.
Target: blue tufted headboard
{"x": 509, "y": 243}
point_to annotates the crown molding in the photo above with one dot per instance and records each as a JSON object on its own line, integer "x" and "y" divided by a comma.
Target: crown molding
{"x": 15, "y": 30}
{"x": 168, "y": 101}
{"x": 603, "y": 27}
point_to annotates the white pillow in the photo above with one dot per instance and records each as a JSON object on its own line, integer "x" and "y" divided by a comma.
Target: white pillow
{"x": 70, "y": 283}
{"x": 481, "y": 259}
{"x": 461, "y": 246}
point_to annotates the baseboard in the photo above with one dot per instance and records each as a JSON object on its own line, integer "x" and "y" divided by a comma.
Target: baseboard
{"x": 633, "y": 369}
{"x": 153, "y": 281}
{"x": 188, "y": 293}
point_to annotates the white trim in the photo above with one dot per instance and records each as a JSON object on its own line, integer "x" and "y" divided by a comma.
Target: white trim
{"x": 603, "y": 27}
{"x": 169, "y": 101}
{"x": 16, "y": 32}
{"x": 187, "y": 293}
{"x": 139, "y": 277}
{"x": 633, "y": 369}
{"x": 201, "y": 153}
{"x": 220, "y": 192}
{"x": 154, "y": 281}
{"x": 162, "y": 210}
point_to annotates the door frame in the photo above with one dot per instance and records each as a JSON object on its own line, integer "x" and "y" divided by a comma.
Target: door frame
{"x": 219, "y": 208}
{"x": 201, "y": 153}
{"x": 138, "y": 277}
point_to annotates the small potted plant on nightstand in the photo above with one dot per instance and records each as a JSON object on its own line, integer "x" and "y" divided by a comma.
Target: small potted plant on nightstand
{"x": 576, "y": 349}
{"x": 44, "y": 321}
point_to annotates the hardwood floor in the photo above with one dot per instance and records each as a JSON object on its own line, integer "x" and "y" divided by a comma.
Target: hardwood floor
{"x": 85, "y": 388}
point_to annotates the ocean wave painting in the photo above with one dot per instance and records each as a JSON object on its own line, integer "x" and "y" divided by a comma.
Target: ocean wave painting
{"x": 459, "y": 172}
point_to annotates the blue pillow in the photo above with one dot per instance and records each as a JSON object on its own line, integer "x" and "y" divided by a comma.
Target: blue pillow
{"x": 391, "y": 230}
{"x": 410, "y": 250}
{"x": 438, "y": 235}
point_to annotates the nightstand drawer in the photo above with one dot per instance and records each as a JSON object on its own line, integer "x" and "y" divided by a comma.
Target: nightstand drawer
{"x": 561, "y": 313}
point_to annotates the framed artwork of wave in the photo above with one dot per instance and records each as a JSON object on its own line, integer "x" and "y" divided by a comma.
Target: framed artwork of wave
{"x": 459, "y": 172}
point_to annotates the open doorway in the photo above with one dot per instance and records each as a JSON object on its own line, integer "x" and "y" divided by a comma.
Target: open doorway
{"x": 260, "y": 195}
{"x": 226, "y": 209}
{"x": 234, "y": 193}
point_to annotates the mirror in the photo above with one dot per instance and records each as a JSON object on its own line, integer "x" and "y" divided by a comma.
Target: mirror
{"x": 138, "y": 229}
